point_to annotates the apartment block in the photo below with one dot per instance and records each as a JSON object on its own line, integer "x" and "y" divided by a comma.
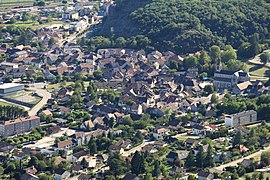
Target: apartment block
{"x": 19, "y": 126}
{"x": 242, "y": 118}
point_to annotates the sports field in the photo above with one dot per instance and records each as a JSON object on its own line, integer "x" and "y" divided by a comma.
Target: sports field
{"x": 15, "y": 1}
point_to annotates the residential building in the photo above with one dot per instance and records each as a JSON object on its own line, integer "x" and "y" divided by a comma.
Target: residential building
{"x": 242, "y": 118}
{"x": 19, "y": 126}
{"x": 61, "y": 174}
{"x": 160, "y": 132}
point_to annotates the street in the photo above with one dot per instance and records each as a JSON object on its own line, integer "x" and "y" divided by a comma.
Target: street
{"x": 235, "y": 162}
{"x": 137, "y": 148}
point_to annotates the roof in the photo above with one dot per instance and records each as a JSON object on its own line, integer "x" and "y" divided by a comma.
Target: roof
{"x": 243, "y": 85}
{"x": 222, "y": 79}
{"x": 244, "y": 113}
{"x": 80, "y": 153}
{"x": 47, "y": 112}
{"x": 20, "y": 120}
{"x": 9, "y": 85}
{"x": 204, "y": 174}
{"x": 59, "y": 171}
{"x": 85, "y": 177}
{"x": 65, "y": 143}
{"x": 226, "y": 72}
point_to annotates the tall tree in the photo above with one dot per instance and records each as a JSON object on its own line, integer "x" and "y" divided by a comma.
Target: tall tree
{"x": 214, "y": 53}
{"x": 200, "y": 156}
{"x": 156, "y": 171}
{"x": 254, "y": 48}
{"x": 137, "y": 163}
{"x": 238, "y": 139}
{"x": 190, "y": 160}
{"x": 209, "y": 160}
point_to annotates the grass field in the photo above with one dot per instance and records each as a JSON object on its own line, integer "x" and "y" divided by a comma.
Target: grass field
{"x": 2, "y": 103}
{"x": 15, "y": 1}
{"x": 184, "y": 137}
{"x": 51, "y": 87}
{"x": 257, "y": 70}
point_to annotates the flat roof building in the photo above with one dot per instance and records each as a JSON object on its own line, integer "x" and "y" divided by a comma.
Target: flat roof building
{"x": 242, "y": 118}
{"x": 8, "y": 88}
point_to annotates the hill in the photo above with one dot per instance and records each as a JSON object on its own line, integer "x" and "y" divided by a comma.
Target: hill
{"x": 189, "y": 25}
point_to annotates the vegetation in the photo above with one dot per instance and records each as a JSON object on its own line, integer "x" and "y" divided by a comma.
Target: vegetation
{"x": 189, "y": 26}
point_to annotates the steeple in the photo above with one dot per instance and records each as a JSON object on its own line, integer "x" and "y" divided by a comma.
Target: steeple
{"x": 219, "y": 65}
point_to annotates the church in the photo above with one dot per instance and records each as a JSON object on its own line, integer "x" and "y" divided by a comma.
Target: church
{"x": 225, "y": 79}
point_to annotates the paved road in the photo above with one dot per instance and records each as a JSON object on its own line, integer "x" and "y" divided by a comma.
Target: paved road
{"x": 42, "y": 93}
{"x": 137, "y": 148}
{"x": 235, "y": 162}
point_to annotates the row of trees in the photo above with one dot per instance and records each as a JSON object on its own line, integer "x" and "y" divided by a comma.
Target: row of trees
{"x": 11, "y": 112}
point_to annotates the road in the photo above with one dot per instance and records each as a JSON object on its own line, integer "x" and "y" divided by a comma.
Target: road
{"x": 42, "y": 93}
{"x": 235, "y": 162}
{"x": 137, "y": 148}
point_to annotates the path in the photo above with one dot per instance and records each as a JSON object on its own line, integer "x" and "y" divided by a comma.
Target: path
{"x": 137, "y": 148}
{"x": 235, "y": 162}
{"x": 42, "y": 93}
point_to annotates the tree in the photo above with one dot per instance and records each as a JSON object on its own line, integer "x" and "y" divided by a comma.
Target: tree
{"x": 84, "y": 163}
{"x": 192, "y": 177}
{"x": 190, "y": 160}
{"x": 156, "y": 171}
{"x": 137, "y": 163}
{"x": 254, "y": 48}
{"x": 200, "y": 156}
{"x": 148, "y": 176}
{"x": 116, "y": 164}
{"x": 214, "y": 53}
{"x": 265, "y": 158}
{"x": 33, "y": 161}
{"x": 190, "y": 62}
{"x": 44, "y": 177}
{"x": 228, "y": 54}
{"x": 209, "y": 89}
{"x": 265, "y": 57}
{"x": 120, "y": 42}
{"x": 209, "y": 160}
{"x": 238, "y": 139}
{"x": 214, "y": 98}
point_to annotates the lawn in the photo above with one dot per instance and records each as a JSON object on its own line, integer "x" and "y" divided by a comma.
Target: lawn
{"x": 51, "y": 87}
{"x": 257, "y": 70}
{"x": 25, "y": 97}
{"x": 265, "y": 175}
{"x": 33, "y": 24}
{"x": 15, "y": 1}
{"x": 3, "y": 103}
{"x": 184, "y": 137}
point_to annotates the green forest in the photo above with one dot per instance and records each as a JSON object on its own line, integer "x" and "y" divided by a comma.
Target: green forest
{"x": 186, "y": 26}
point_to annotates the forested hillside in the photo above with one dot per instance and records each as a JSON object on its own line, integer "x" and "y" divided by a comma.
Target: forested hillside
{"x": 189, "y": 25}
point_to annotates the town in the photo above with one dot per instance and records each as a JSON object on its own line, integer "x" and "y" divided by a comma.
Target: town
{"x": 70, "y": 112}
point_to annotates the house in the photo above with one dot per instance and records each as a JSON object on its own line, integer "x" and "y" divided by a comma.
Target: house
{"x": 75, "y": 157}
{"x": 198, "y": 129}
{"x": 242, "y": 118}
{"x": 47, "y": 112}
{"x": 66, "y": 144}
{"x": 75, "y": 168}
{"x": 203, "y": 175}
{"x": 85, "y": 177}
{"x": 53, "y": 130}
{"x": 31, "y": 170}
{"x": 241, "y": 87}
{"x": 172, "y": 156}
{"x": 191, "y": 142}
{"x": 246, "y": 162}
{"x": 87, "y": 125}
{"x": 120, "y": 146}
{"x": 91, "y": 160}
{"x": 160, "y": 132}
{"x": 61, "y": 174}
{"x": 136, "y": 109}
{"x": 177, "y": 169}
{"x": 28, "y": 176}
{"x": 5, "y": 148}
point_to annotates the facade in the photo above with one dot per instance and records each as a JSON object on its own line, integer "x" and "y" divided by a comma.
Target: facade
{"x": 8, "y": 88}
{"x": 18, "y": 126}
{"x": 242, "y": 118}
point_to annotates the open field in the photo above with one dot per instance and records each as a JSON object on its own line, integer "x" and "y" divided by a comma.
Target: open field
{"x": 33, "y": 24}
{"x": 25, "y": 97}
{"x": 2, "y": 103}
{"x": 258, "y": 72}
{"x": 51, "y": 87}
{"x": 15, "y": 1}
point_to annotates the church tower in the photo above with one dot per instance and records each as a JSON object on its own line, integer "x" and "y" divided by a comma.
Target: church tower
{"x": 219, "y": 66}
